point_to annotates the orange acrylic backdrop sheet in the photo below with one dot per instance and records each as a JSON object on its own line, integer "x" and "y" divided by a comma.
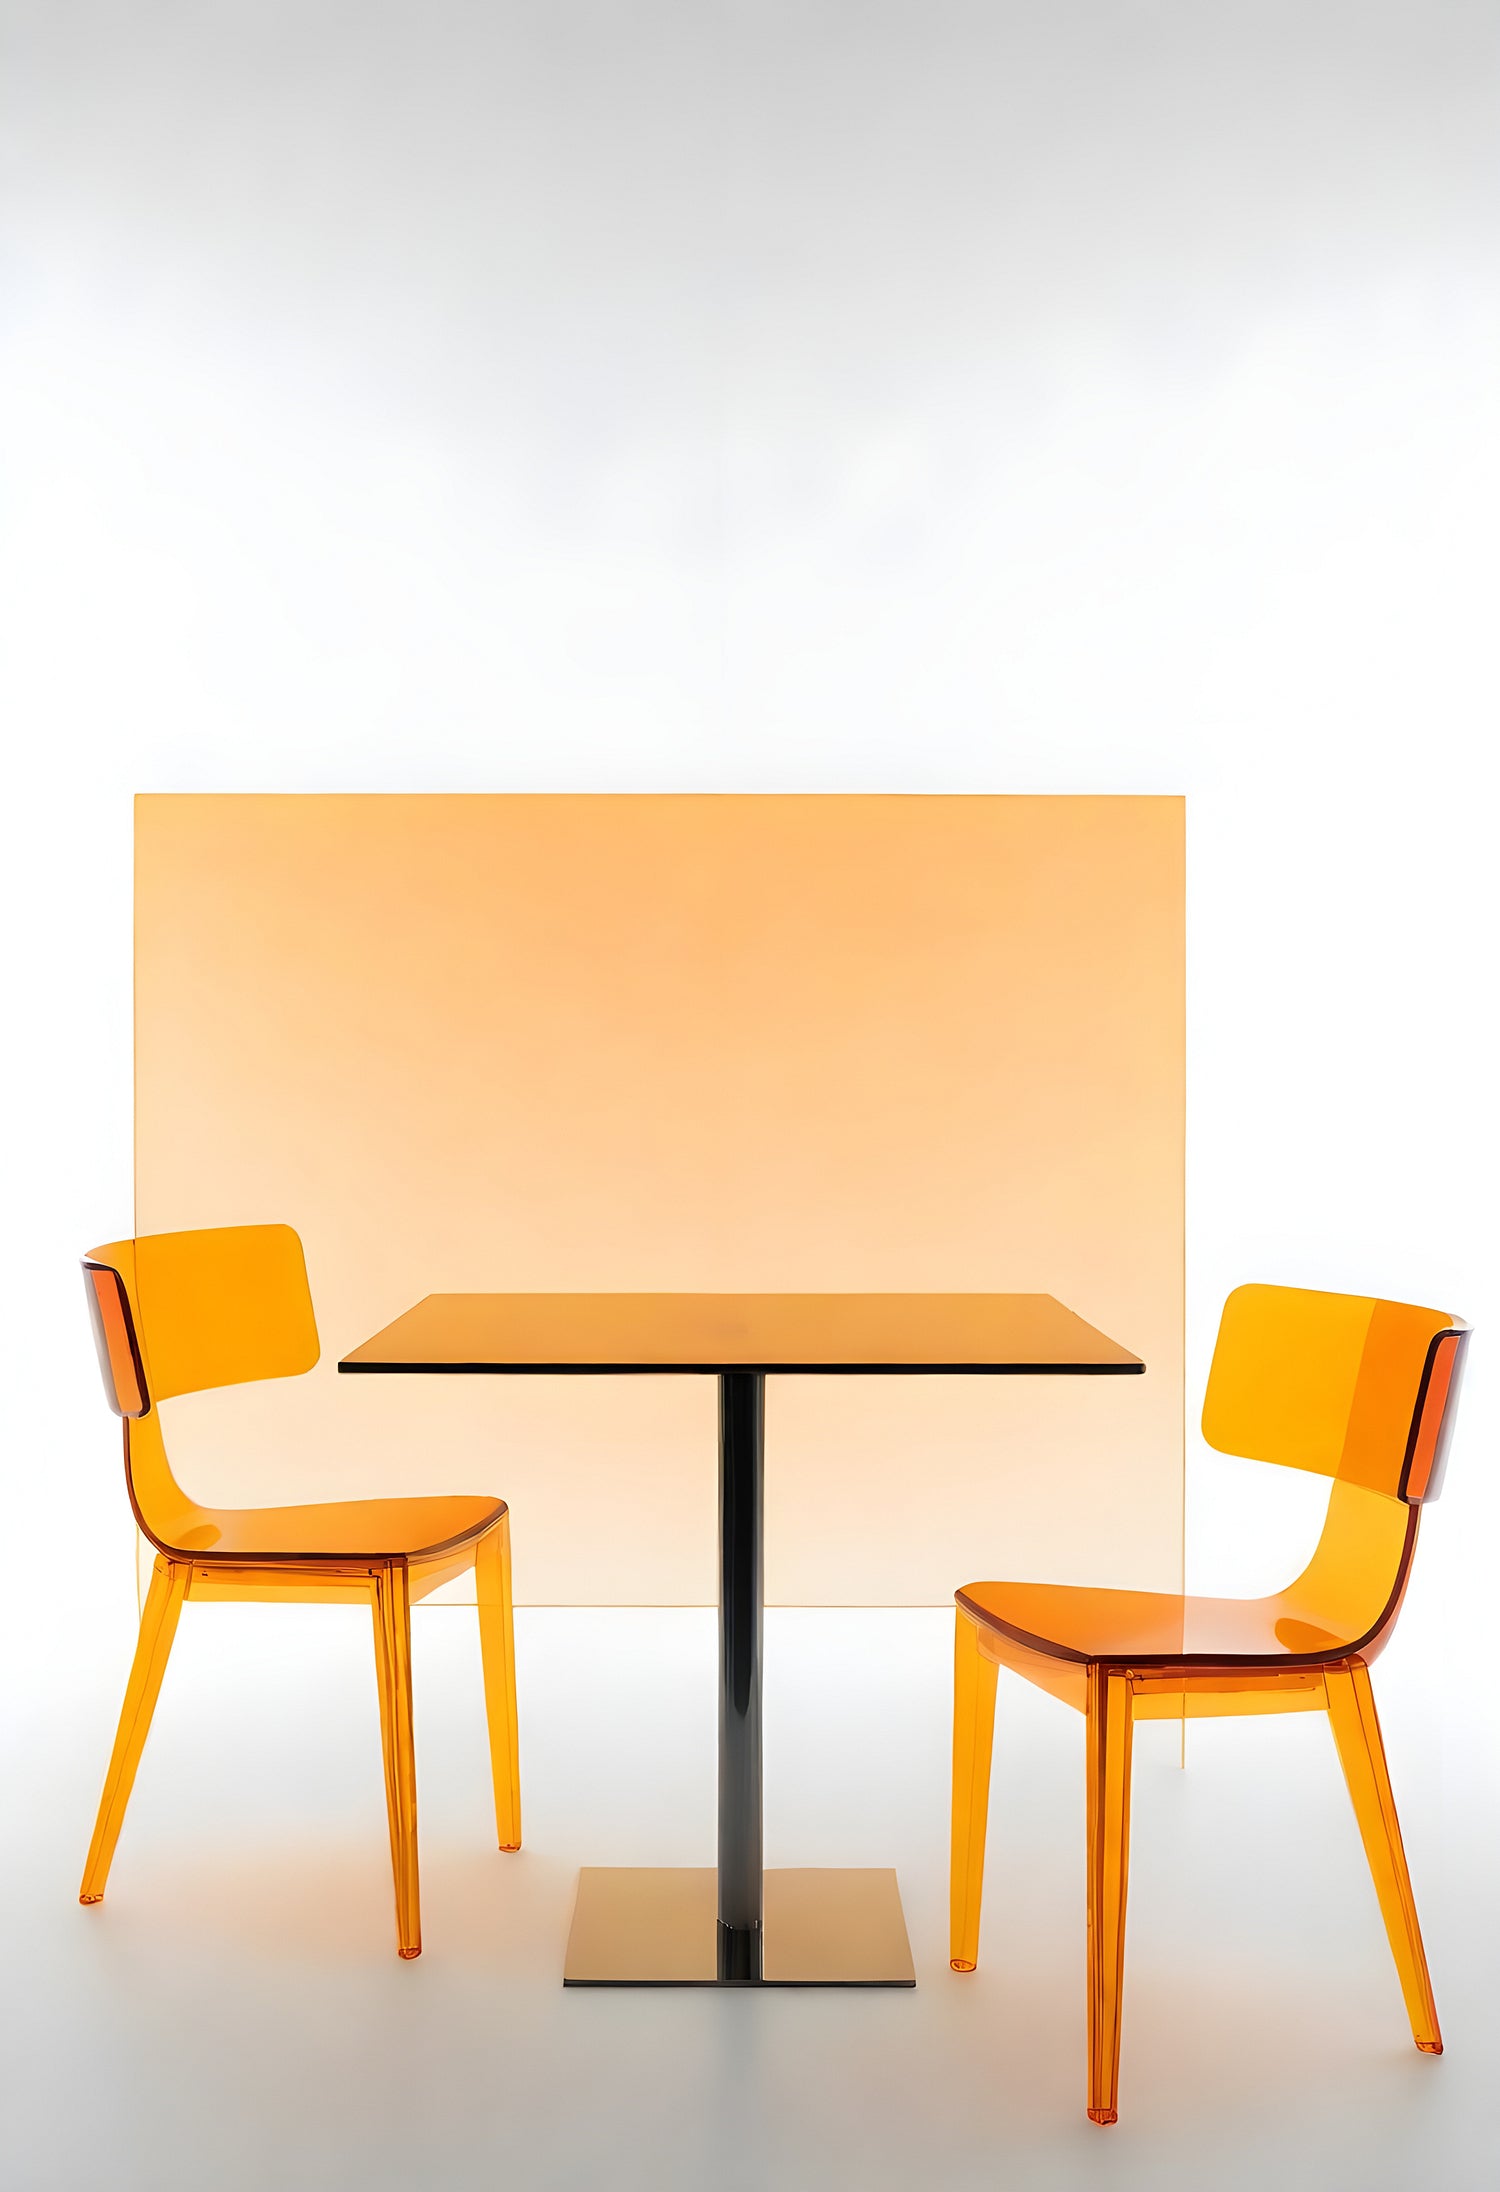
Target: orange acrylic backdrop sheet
{"x": 667, "y": 1043}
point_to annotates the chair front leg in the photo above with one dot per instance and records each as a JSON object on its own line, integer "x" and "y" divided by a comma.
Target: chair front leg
{"x": 1108, "y": 1739}
{"x": 169, "y": 1582}
{"x": 497, "y": 1647}
{"x": 1356, "y": 1731}
{"x": 974, "y": 1678}
{"x": 391, "y": 1596}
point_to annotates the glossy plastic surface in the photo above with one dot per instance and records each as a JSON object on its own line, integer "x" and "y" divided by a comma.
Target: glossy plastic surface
{"x": 1108, "y": 1771}
{"x": 974, "y": 1677}
{"x": 183, "y": 1312}
{"x": 1360, "y": 1390}
{"x": 1344, "y": 1600}
{"x": 1326, "y": 1382}
{"x": 492, "y": 1585}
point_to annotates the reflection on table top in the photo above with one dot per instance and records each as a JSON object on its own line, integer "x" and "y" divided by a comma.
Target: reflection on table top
{"x": 1020, "y": 1334}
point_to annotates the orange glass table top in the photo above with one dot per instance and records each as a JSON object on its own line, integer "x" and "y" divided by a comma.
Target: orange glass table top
{"x": 906, "y": 1334}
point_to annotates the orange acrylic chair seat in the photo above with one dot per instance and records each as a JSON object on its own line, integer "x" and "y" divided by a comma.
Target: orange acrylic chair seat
{"x": 1068, "y": 1622}
{"x": 1359, "y": 1390}
{"x": 346, "y": 1529}
{"x": 183, "y": 1312}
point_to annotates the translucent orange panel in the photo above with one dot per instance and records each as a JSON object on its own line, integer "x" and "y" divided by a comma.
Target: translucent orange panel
{"x": 1326, "y": 1382}
{"x": 1351, "y": 1387}
{"x": 645, "y": 1044}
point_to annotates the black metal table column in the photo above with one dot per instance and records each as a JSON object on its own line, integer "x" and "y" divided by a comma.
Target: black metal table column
{"x": 737, "y": 1924}
{"x": 742, "y": 1424}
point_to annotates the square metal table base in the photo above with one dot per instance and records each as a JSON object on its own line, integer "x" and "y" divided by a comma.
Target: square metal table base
{"x": 658, "y": 1926}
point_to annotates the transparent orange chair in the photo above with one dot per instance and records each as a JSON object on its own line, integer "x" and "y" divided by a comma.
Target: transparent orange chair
{"x": 1358, "y": 1390}
{"x": 181, "y": 1313}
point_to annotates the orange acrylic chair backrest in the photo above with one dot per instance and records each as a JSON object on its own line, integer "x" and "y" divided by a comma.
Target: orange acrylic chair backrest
{"x": 1349, "y": 1387}
{"x": 182, "y": 1312}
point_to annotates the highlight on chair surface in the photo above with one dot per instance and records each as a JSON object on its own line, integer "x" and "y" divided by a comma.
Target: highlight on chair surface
{"x": 1359, "y": 1390}
{"x": 182, "y": 1313}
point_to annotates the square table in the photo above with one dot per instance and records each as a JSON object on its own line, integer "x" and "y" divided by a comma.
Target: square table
{"x": 739, "y": 1925}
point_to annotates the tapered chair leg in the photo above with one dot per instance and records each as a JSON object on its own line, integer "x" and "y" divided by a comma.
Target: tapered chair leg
{"x": 1356, "y": 1731}
{"x": 974, "y": 1678}
{"x": 1109, "y": 1737}
{"x": 497, "y": 1646}
{"x": 169, "y": 1581}
{"x": 392, "y": 1609}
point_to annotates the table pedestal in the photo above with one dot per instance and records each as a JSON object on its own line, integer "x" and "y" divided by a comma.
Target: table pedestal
{"x": 822, "y": 1927}
{"x": 740, "y": 1926}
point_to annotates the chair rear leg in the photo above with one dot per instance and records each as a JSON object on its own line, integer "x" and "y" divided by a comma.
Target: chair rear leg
{"x": 169, "y": 1581}
{"x": 497, "y": 1646}
{"x": 1109, "y": 1740}
{"x": 392, "y": 1610}
{"x": 974, "y": 1678}
{"x": 1356, "y": 1731}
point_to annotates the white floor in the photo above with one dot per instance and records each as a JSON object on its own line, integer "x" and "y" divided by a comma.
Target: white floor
{"x": 234, "y": 2014}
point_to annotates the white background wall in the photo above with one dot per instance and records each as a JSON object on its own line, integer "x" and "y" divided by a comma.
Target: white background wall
{"x": 891, "y": 394}
{"x": 1077, "y": 397}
